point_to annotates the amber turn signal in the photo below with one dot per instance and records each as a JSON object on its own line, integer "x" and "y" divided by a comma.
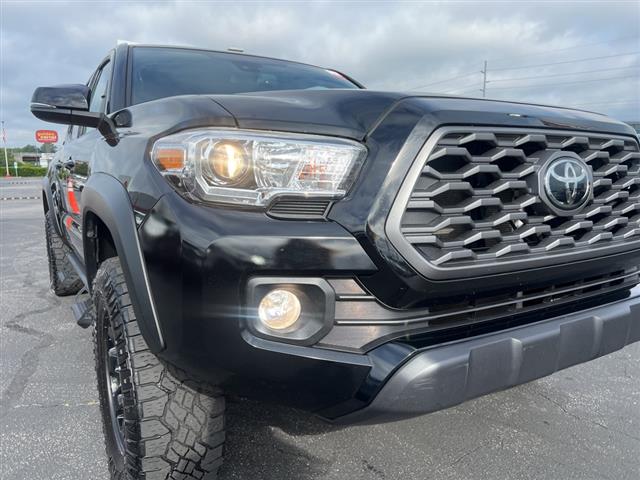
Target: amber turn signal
{"x": 169, "y": 159}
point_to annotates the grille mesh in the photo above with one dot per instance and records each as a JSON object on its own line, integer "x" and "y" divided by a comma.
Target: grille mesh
{"x": 473, "y": 202}
{"x": 297, "y": 208}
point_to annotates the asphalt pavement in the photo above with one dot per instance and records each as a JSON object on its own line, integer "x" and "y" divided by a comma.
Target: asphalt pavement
{"x": 581, "y": 423}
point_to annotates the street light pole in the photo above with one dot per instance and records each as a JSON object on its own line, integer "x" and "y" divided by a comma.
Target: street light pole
{"x": 484, "y": 80}
{"x": 6, "y": 157}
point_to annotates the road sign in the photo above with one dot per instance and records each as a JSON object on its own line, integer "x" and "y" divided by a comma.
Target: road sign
{"x": 46, "y": 136}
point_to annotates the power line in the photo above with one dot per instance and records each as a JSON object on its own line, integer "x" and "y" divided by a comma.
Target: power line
{"x": 514, "y": 57}
{"x": 465, "y": 75}
{"x": 464, "y": 87}
{"x": 562, "y": 74}
{"x": 565, "y": 62}
{"x": 621, "y": 102}
{"x": 469, "y": 91}
{"x": 446, "y": 80}
{"x": 565, "y": 83}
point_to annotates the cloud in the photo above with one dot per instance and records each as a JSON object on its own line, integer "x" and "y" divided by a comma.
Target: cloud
{"x": 390, "y": 46}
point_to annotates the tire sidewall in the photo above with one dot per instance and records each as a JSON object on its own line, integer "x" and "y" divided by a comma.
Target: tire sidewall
{"x": 105, "y": 316}
{"x": 50, "y": 256}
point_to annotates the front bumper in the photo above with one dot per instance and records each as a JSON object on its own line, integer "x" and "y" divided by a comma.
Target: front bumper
{"x": 200, "y": 261}
{"x": 445, "y": 376}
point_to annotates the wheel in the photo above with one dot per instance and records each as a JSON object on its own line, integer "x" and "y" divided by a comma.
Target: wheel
{"x": 158, "y": 423}
{"x": 62, "y": 276}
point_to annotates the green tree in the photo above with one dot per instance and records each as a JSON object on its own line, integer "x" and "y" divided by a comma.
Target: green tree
{"x": 28, "y": 149}
{"x": 48, "y": 148}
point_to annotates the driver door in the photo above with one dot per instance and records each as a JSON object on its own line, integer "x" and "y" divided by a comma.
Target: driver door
{"x": 75, "y": 162}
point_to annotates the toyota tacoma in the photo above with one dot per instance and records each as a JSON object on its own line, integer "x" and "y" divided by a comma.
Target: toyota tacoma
{"x": 234, "y": 224}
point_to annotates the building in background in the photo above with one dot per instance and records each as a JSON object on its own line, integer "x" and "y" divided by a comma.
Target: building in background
{"x": 46, "y": 159}
{"x": 27, "y": 157}
{"x": 33, "y": 158}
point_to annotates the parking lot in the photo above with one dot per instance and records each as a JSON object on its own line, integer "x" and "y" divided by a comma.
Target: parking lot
{"x": 581, "y": 423}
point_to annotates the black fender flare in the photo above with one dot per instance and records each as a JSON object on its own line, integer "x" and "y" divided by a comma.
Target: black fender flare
{"x": 105, "y": 197}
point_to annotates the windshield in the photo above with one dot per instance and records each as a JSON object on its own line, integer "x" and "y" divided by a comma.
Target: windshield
{"x": 165, "y": 72}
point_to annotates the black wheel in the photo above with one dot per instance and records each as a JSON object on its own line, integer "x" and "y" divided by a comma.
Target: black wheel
{"x": 158, "y": 423}
{"x": 62, "y": 276}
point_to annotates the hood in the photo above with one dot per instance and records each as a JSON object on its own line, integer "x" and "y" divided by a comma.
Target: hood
{"x": 345, "y": 113}
{"x": 354, "y": 113}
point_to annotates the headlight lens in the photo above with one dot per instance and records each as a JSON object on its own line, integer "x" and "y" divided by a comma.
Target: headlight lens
{"x": 251, "y": 168}
{"x": 225, "y": 163}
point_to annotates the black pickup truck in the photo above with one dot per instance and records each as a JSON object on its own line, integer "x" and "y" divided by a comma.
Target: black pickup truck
{"x": 265, "y": 228}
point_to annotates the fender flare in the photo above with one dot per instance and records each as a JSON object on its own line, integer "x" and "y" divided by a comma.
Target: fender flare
{"x": 105, "y": 197}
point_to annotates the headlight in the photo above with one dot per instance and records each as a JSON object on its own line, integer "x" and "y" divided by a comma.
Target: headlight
{"x": 250, "y": 168}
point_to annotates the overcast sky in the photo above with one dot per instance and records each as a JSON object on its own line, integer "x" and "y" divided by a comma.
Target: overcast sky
{"x": 387, "y": 46}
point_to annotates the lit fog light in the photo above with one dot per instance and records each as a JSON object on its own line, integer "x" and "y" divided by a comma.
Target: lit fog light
{"x": 279, "y": 309}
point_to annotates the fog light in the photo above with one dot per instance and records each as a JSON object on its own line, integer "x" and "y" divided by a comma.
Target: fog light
{"x": 279, "y": 309}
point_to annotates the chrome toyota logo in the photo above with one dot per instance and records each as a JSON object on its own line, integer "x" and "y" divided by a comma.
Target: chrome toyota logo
{"x": 567, "y": 183}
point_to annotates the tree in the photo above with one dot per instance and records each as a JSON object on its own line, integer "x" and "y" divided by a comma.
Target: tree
{"x": 48, "y": 148}
{"x": 28, "y": 149}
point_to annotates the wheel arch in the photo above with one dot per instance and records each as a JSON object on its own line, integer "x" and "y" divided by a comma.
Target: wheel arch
{"x": 99, "y": 244}
{"x": 109, "y": 229}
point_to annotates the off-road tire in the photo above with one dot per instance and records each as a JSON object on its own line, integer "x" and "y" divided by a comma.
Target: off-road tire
{"x": 173, "y": 425}
{"x": 62, "y": 276}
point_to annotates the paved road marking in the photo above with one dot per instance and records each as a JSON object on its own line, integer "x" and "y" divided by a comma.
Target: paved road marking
{"x": 20, "y": 198}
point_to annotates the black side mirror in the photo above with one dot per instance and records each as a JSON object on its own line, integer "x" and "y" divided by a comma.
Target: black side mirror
{"x": 69, "y": 105}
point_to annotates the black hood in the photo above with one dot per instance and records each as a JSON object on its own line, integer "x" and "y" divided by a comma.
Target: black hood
{"x": 354, "y": 113}
{"x": 345, "y": 113}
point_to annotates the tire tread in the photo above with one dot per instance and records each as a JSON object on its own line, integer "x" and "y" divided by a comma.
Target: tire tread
{"x": 174, "y": 424}
{"x": 63, "y": 277}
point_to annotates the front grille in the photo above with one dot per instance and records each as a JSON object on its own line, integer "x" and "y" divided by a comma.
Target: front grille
{"x": 471, "y": 201}
{"x": 359, "y": 308}
{"x": 355, "y": 308}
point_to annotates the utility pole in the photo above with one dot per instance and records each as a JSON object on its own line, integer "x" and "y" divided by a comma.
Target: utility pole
{"x": 484, "y": 80}
{"x": 6, "y": 158}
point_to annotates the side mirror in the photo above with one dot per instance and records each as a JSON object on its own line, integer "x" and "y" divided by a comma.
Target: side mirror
{"x": 69, "y": 105}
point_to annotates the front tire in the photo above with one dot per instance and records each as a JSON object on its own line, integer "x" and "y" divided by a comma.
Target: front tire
{"x": 158, "y": 423}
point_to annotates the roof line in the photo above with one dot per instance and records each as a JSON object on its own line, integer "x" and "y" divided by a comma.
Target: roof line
{"x": 185, "y": 47}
